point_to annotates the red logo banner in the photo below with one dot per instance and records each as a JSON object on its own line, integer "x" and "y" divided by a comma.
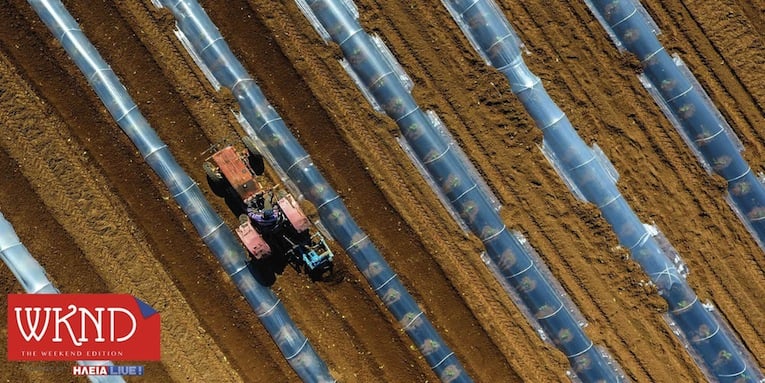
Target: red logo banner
{"x": 81, "y": 327}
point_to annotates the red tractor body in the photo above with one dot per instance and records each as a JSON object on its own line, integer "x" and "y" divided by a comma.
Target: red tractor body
{"x": 270, "y": 220}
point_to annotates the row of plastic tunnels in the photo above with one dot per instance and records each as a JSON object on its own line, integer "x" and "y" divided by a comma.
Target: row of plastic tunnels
{"x": 588, "y": 173}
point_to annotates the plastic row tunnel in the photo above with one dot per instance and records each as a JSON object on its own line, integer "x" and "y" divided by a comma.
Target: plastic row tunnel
{"x": 592, "y": 178}
{"x": 33, "y": 280}
{"x": 208, "y": 48}
{"x": 215, "y": 234}
{"x": 385, "y": 85}
{"x": 688, "y": 107}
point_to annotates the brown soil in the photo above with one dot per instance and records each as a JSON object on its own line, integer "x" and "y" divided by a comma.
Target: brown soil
{"x": 98, "y": 219}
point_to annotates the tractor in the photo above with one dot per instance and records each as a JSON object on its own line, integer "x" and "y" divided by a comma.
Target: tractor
{"x": 271, "y": 222}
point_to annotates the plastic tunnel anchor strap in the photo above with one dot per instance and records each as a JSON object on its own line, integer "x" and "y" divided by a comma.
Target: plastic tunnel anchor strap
{"x": 531, "y": 264}
{"x": 239, "y": 81}
{"x": 710, "y": 138}
{"x": 221, "y": 224}
{"x": 134, "y": 107}
{"x": 469, "y": 6}
{"x": 634, "y": 12}
{"x": 98, "y": 70}
{"x": 380, "y": 78}
{"x": 197, "y": 59}
{"x": 357, "y": 242}
{"x": 557, "y": 120}
{"x": 184, "y": 190}
{"x": 411, "y": 321}
{"x": 264, "y": 313}
{"x": 268, "y": 122}
{"x": 583, "y": 163}
{"x": 449, "y": 355}
{"x": 327, "y": 201}
{"x": 748, "y": 170}
{"x": 297, "y": 162}
{"x": 643, "y": 239}
{"x": 153, "y": 151}
{"x": 654, "y": 53}
{"x": 2, "y": 249}
{"x": 517, "y": 61}
{"x": 710, "y": 336}
{"x": 438, "y": 157}
{"x": 202, "y": 51}
{"x": 296, "y": 353}
{"x": 489, "y": 238}
{"x": 736, "y": 374}
{"x": 612, "y": 200}
{"x": 68, "y": 31}
{"x": 386, "y": 282}
{"x": 683, "y": 93}
{"x": 349, "y": 36}
{"x": 574, "y": 355}
{"x": 499, "y": 40}
{"x": 239, "y": 270}
{"x": 465, "y": 193}
{"x": 686, "y": 307}
{"x": 670, "y": 272}
{"x": 408, "y": 114}
{"x": 553, "y": 313}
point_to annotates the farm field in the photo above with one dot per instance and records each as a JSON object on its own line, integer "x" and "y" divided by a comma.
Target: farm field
{"x": 97, "y": 218}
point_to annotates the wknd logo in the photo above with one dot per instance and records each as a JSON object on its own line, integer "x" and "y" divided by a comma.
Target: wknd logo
{"x": 81, "y": 327}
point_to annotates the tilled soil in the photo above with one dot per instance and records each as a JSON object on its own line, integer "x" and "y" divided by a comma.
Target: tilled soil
{"x": 98, "y": 219}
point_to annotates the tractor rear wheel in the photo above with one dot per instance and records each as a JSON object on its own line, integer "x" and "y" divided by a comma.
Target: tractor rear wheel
{"x": 212, "y": 172}
{"x": 249, "y": 143}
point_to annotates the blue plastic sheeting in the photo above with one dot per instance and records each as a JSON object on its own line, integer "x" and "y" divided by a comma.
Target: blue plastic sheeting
{"x": 592, "y": 178}
{"x": 266, "y": 126}
{"x": 34, "y": 281}
{"x": 215, "y": 234}
{"x": 705, "y": 131}
{"x": 378, "y": 76}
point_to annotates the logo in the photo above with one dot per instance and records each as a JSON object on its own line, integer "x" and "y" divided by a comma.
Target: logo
{"x": 107, "y": 370}
{"x": 81, "y": 327}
